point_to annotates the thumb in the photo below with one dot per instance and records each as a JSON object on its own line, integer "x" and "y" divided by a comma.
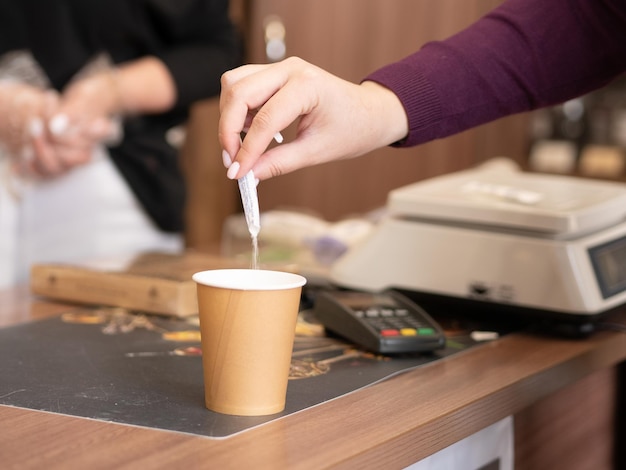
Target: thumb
{"x": 286, "y": 158}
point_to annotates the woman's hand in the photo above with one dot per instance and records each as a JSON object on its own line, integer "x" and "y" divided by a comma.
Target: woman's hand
{"x": 87, "y": 115}
{"x": 23, "y": 109}
{"x": 91, "y": 108}
{"x": 336, "y": 119}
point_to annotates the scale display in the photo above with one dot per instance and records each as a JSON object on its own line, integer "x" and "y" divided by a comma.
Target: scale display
{"x": 609, "y": 264}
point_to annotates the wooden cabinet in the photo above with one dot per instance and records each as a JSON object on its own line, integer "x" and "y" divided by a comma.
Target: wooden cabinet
{"x": 351, "y": 38}
{"x": 211, "y": 197}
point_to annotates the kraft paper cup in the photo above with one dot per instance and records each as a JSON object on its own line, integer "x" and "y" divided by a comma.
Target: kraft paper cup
{"x": 247, "y": 327}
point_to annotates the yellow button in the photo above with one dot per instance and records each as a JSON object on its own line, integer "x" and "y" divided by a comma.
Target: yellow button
{"x": 408, "y": 332}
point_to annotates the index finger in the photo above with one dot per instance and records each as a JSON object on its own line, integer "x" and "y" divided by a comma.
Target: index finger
{"x": 277, "y": 95}
{"x": 236, "y": 104}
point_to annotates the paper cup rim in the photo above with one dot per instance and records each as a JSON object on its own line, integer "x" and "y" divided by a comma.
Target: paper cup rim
{"x": 249, "y": 279}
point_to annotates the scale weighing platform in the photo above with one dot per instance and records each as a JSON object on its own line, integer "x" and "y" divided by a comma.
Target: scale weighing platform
{"x": 494, "y": 234}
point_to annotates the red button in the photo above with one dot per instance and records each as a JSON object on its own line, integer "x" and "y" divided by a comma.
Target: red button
{"x": 389, "y": 332}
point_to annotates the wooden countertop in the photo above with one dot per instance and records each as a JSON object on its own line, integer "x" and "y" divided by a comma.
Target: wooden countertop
{"x": 388, "y": 425}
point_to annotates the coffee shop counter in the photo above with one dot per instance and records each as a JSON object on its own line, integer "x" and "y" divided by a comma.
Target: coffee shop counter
{"x": 562, "y": 394}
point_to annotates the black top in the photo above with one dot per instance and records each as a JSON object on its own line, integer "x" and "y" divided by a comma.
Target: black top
{"x": 194, "y": 38}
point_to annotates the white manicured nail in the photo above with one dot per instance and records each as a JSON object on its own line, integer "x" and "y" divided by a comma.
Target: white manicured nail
{"x": 226, "y": 159}
{"x": 58, "y": 124}
{"x": 233, "y": 170}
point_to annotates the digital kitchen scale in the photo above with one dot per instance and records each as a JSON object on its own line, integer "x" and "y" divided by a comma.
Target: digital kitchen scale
{"x": 495, "y": 234}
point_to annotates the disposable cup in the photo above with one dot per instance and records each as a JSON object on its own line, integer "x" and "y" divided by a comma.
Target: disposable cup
{"x": 247, "y": 327}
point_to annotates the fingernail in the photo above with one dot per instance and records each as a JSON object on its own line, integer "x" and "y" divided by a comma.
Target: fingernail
{"x": 35, "y": 127}
{"x": 58, "y": 124}
{"x": 226, "y": 159}
{"x": 278, "y": 137}
{"x": 233, "y": 169}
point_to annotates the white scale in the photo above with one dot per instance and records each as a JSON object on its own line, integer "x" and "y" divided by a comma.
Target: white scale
{"x": 497, "y": 234}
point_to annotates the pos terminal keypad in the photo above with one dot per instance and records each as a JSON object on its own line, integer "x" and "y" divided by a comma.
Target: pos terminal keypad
{"x": 385, "y": 322}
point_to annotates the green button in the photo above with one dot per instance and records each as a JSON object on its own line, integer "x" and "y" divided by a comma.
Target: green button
{"x": 425, "y": 331}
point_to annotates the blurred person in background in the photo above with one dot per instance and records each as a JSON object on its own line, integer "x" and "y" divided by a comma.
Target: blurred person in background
{"x": 91, "y": 93}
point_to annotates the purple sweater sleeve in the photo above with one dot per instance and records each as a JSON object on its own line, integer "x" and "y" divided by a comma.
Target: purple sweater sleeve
{"x": 523, "y": 55}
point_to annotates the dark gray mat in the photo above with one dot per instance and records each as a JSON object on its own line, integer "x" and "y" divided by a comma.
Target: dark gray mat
{"x": 108, "y": 365}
